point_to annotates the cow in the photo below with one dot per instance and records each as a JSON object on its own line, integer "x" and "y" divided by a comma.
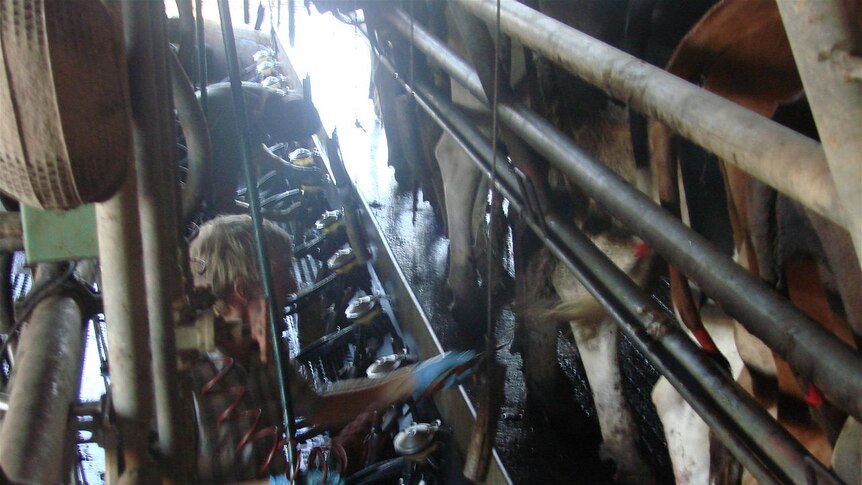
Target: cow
{"x": 603, "y": 128}
{"x": 739, "y": 50}
{"x": 450, "y": 181}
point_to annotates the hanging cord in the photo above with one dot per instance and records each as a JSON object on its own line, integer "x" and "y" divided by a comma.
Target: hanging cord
{"x": 489, "y": 336}
{"x": 413, "y": 102}
{"x": 490, "y": 399}
{"x": 412, "y": 48}
{"x": 274, "y": 313}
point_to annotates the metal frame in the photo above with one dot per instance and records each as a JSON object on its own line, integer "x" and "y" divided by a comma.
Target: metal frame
{"x": 719, "y": 400}
{"x": 769, "y": 316}
{"x": 148, "y": 54}
{"x": 792, "y": 163}
{"x": 786, "y": 330}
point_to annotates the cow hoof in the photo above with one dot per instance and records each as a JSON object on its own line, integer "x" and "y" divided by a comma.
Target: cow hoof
{"x": 470, "y": 324}
{"x": 629, "y": 469}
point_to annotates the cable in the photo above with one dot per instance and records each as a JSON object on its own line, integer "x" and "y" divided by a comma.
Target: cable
{"x": 37, "y": 293}
{"x": 255, "y": 431}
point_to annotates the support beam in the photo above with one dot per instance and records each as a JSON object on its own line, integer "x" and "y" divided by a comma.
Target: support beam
{"x": 791, "y": 163}
{"x": 128, "y": 335}
{"x": 826, "y": 39}
{"x": 154, "y": 131}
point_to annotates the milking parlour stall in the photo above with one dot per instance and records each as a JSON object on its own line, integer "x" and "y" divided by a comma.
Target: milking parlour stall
{"x": 431, "y": 241}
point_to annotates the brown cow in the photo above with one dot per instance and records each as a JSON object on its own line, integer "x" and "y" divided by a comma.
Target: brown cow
{"x": 739, "y": 51}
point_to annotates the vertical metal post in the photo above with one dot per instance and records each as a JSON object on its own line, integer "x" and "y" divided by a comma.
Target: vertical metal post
{"x": 825, "y": 38}
{"x": 120, "y": 255}
{"x": 158, "y": 186}
{"x": 45, "y": 381}
{"x": 201, "y": 52}
{"x": 274, "y": 312}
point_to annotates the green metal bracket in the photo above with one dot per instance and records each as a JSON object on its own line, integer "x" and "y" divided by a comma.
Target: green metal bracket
{"x": 59, "y": 235}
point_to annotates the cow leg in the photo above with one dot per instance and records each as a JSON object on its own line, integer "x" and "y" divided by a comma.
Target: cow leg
{"x": 597, "y": 340}
{"x": 688, "y": 437}
{"x": 387, "y": 93}
{"x": 847, "y": 457}
{"x": 461, "y": 181}
{"x": 549, "y": 393}
{"x": 597, "y": 345}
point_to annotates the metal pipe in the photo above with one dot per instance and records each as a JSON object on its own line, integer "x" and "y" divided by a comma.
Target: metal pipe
{"x": 44, "y": 385}
{"x": 786, "y": 330}
{"x": 274, "y": 313}
{"x": 193, "y": 121}
{"x": 826, "y": 49}
{"x": 793, "y": 164}
{"x": 158, "y": 185}
{"x": 128, "y": 335}
{"x": 721, "y": 403}
{"x": 11, "y": 233}
{"x": 201, "y": 53}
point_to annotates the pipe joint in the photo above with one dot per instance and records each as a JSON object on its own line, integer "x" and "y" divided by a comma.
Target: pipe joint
{"x": 199, "y": 336}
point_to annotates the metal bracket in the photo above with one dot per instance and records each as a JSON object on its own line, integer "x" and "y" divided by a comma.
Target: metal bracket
{"x": 66, "y": 284}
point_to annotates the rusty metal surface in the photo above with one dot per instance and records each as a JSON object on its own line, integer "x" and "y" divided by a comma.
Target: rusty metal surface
{"x": 826, "y": 36}
{"x": 33, "y": 437}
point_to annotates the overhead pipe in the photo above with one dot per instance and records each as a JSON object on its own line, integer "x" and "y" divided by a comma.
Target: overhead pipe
{"x": 274, "y": 313}
{"x": 191, "y": 116}
{"x": 785, "y": 329}
{"x": 791, "y": 163}
{"x": 158, "y": 186}
{"x": 44, "y": 385}
{"x": 826, "y": 50}
{"x": 747, "y": 430}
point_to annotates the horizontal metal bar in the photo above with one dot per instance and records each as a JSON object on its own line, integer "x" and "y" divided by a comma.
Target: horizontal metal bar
{"x": 785, "y": 329}
{"x": 747, "y": 430}
{"x": 793, "y": 164}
